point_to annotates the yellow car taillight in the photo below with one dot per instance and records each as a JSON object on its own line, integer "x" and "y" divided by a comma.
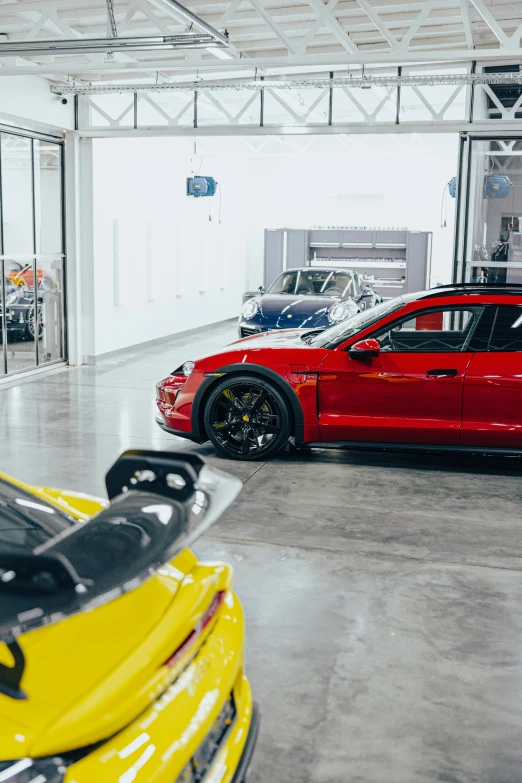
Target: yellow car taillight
{"x": 195, "y": 634}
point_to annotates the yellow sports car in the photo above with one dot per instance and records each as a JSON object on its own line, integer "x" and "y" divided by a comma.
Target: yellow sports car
{"x": 121, "y": 655}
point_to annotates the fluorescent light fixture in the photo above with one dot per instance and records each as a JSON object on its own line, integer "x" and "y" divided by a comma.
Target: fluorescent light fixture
{"x": 221, "y": 53}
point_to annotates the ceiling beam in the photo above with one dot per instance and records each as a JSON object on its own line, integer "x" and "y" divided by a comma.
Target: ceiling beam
{"x": 416, "y": 25}
{"x": 468, "y": 30}
{"x": 263, "y": 13}
{"x": 384, "y": 30}
{"x": 333, "y": 24}
{"x": 327, "y": 60}
{"x": 365, "y": 128}
{"x": 491, "y": 22}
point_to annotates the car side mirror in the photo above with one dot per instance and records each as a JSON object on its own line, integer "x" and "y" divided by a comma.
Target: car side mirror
{"x": 364, "y": 349}
{"x": 261, "y": 289}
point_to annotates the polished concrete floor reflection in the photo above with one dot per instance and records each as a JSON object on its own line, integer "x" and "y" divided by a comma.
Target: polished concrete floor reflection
{"x": 21, "y": 354}
{"x": 383, "y": 592}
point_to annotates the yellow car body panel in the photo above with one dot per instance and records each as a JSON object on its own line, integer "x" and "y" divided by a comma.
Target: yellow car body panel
{"x": 110, "y": 679}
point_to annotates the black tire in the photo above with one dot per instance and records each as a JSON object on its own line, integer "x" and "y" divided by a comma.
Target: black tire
{"x": 247, "y": 418}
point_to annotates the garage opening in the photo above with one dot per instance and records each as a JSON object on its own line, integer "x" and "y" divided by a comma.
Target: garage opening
{"x": 165, "y": 263}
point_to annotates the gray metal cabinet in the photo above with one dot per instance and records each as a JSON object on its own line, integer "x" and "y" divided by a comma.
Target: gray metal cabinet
{"x": 285, "y": 248}
{"x": 395, "y": 260}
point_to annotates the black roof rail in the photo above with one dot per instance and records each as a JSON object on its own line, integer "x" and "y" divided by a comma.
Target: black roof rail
{"x": 478, "y": 285}
{"x": 508, "y": 289}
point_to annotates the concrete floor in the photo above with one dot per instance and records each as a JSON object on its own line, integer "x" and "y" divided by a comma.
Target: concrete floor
{"x": 383, "y": 593}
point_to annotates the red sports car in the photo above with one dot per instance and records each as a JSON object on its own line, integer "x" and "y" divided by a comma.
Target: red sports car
{"x": 441, "y": 369}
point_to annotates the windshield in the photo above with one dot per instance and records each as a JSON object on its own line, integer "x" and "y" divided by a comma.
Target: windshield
{"x": 337, "y": 334}
{"x": 317, "y": 282}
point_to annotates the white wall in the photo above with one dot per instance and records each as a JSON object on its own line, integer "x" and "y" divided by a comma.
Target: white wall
{"x": 195, "y": 271}
{"x": 30, "y": 98}
{"x": 379, "y": 181}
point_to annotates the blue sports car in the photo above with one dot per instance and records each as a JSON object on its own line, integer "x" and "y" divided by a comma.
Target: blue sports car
{"x": 307, "y": 298}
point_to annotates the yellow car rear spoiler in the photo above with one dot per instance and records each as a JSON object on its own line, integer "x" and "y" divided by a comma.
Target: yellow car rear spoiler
{"x": 161, "y": 502}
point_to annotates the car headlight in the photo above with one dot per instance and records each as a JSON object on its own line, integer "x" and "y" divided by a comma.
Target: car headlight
{"x": 49, "y": 770}
{"x": 187, "y": 368}
{"x": 249, "y": 309}
{"x": 338, "y": 312}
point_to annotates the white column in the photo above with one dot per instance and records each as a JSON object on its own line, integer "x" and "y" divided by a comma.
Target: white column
{"x": 80, "y": 256}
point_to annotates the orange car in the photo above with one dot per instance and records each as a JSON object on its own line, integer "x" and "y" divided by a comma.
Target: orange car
{"x": 23, "y": 274}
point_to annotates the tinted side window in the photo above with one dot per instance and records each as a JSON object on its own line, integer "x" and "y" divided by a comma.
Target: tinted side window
{"x": 482, "y": 333}
{"x": 437, "y": 330}
{"x": 507, "y": 329}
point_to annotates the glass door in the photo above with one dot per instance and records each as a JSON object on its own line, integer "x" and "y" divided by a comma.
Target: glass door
{"x": 491, "y": 227}
{"x": 32, "y": 258}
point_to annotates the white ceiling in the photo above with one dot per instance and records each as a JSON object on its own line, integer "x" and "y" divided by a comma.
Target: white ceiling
{"x": 272, "y": 36}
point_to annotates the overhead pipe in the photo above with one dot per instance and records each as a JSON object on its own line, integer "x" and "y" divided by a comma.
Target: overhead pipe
{"x": 107, "y": 45}
{"x": 192, "y": 19}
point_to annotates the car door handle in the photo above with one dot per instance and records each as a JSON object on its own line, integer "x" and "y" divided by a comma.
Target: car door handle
{"x": 442, "y": 373}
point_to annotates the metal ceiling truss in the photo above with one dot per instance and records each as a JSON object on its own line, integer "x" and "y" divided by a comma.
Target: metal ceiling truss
{"x": 264, "y": 34}
{"x": 112, "y": 29}
{"x": 143, "y": 48}
{"x": 303, "y": 83}
{"x": 403, "y": 99}
{"x": 45, "y": 16}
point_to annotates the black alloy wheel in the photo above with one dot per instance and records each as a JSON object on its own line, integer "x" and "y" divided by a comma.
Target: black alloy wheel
{"x": 247, "y": 418}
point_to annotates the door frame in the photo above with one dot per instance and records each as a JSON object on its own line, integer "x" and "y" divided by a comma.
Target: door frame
{"x": 462, "y": 219}
{"x": 59, "y": 141}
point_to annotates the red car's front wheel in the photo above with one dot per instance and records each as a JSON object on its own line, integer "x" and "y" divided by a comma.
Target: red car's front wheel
{"x": 247, "y": 418}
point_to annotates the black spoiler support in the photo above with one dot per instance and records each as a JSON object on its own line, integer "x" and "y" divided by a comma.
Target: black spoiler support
{"x": 154, "y": 471}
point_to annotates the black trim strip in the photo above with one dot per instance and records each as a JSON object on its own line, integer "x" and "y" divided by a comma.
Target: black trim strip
{"x": 302, "y": 372}
{"x": 456, "y": 235}
{"x": 330, "y": 101}
{"x": 370, "y": 446}
{"x": 179, "y": 433}
{"x": 472, "y": 92}
{"x": 398, "y": 106}
{"x": 240, "y": 774}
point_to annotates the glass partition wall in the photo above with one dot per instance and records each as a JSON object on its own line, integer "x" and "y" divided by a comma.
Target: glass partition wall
{"x": 32, "y": 260}
{"x": 492, "y": 249}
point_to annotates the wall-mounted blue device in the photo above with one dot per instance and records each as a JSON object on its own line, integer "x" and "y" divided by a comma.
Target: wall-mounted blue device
{"x": 497, "y": 187}
{"x": 201, "y": 186}
{"x": 452, "y": 187}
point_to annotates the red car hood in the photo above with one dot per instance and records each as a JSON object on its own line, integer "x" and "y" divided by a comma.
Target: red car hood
{"x": 250, "y": 350}
{"x": 282, "y": 338}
